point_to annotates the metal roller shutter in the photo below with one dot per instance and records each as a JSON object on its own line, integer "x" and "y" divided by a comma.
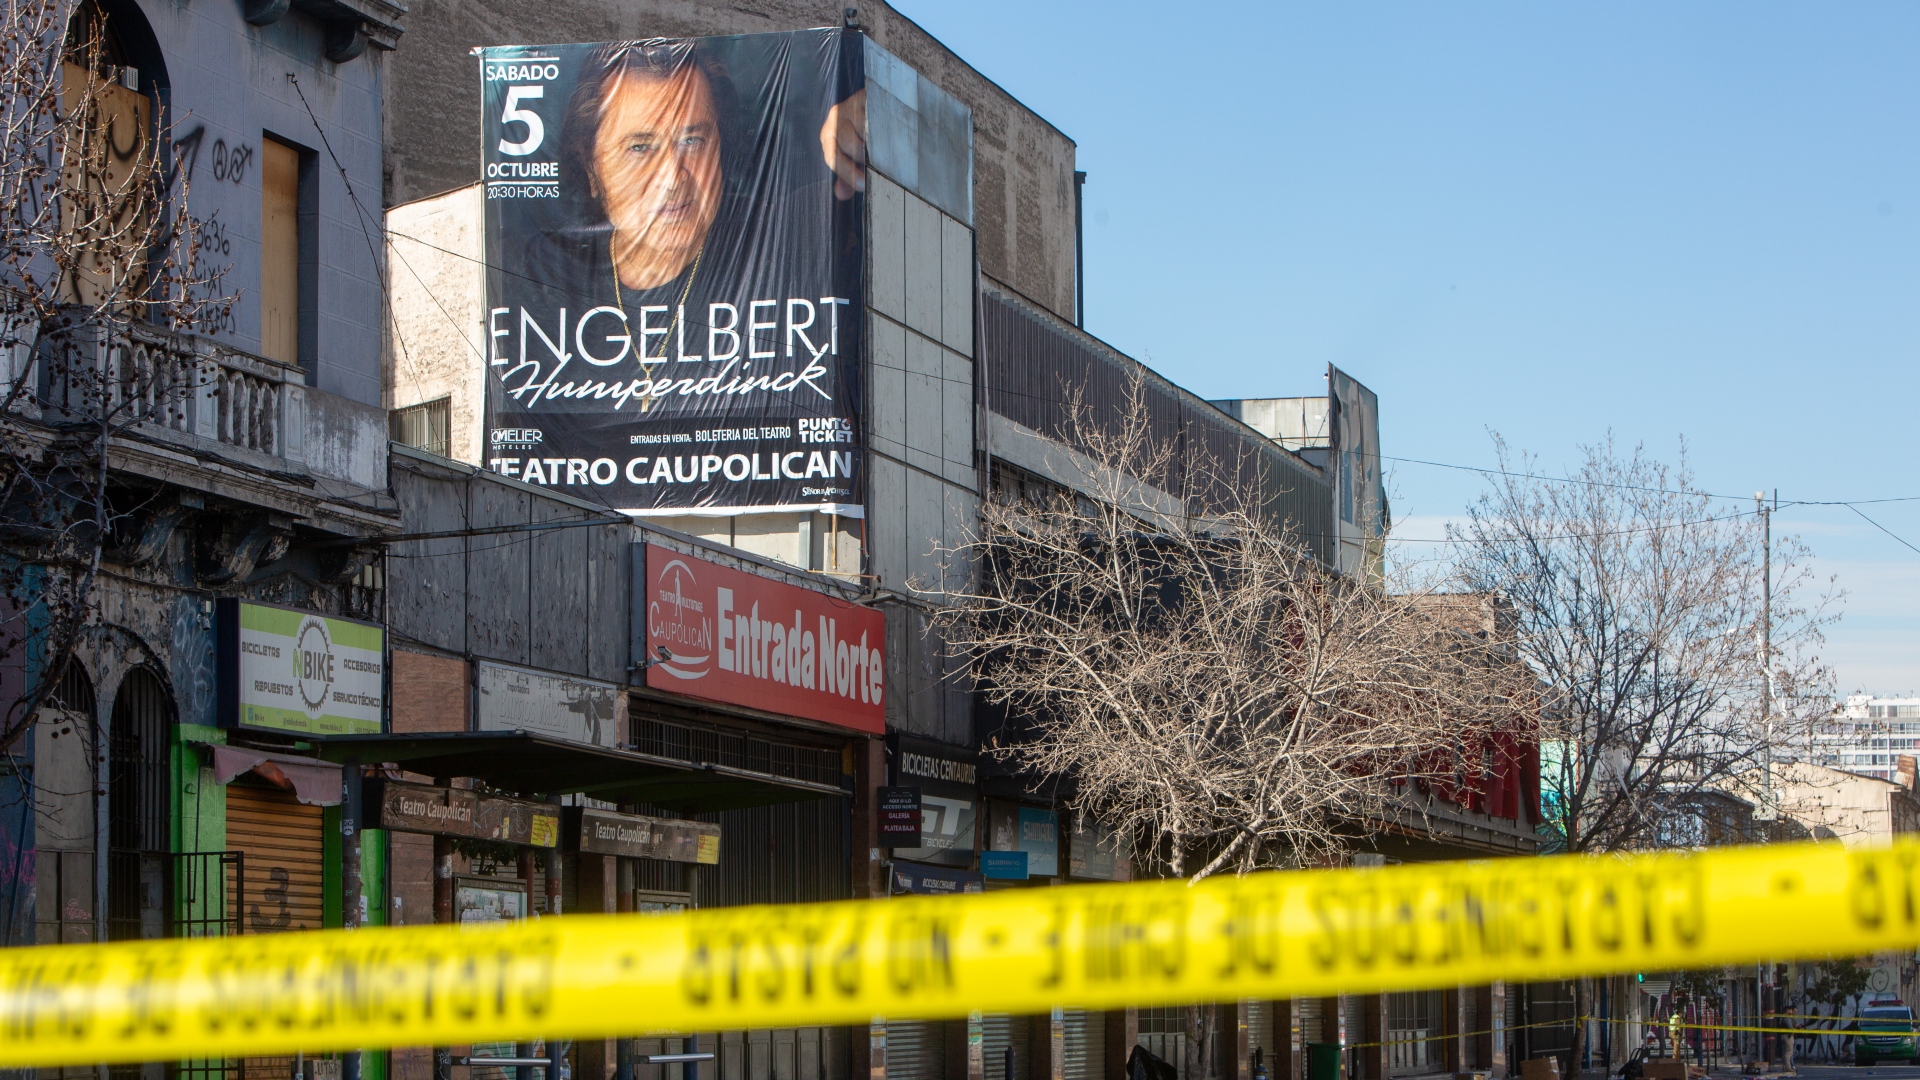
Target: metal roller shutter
{"x": 1260, "y": 1033}
{"x": 998, "y": 1032}
{"x": 280, "y": 838}
{"x": 916, "y": 1050}
{"x": 1085, "y": 1044}
{"x": 1311, "y": 1030}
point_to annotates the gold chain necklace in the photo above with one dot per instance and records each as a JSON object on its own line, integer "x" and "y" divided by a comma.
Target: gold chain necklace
{"x": 679, "y": 309}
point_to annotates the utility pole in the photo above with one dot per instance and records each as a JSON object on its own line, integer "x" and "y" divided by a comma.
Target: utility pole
{"x": 1766, "y": 643}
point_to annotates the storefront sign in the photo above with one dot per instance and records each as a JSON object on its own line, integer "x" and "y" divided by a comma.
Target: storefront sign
{"x": 603, "y": 832}
{"x": 916, "y": 879}
{"x": 454, "y": 812}
{"x": 547, "y": 703}
{"x": 1093, "y": 850}
{"x": 899, "y": 816}
{"x": 286, "y": 670}
{"x": 743, "y": 639}
{"x": 949, "y": 799}
{"x": 1040, "y": 840}
{"x": 1004, "y": 865}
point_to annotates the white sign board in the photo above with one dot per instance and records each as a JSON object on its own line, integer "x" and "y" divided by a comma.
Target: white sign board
{"x": 289, "y": 670}
{"x": 547, "y": 703}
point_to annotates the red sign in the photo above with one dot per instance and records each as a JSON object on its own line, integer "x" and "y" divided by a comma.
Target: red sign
{"x": 747, "y": 640}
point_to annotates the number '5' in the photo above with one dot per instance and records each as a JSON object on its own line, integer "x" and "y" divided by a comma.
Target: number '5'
{"x": 513, "y": 112}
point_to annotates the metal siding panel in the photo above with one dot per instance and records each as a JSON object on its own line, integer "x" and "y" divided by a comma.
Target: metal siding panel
{"x": 887, "y": 416}
{"x": 557, "y": 562}
{"x": 956, "y": 286}
{"x": 956, "y": 395}
{"x": 886, "y": 239}
{"x": 426, "y": 579}
{"x": 922, "y": 265}
{"x": 925, "y": 384}
{"x": 497, "y": 605}
{"x": 926, "y": 526}
{"x": 1034, "y": 368}
{"x": 609, "y": 583}
{"x": 887, "y": 520}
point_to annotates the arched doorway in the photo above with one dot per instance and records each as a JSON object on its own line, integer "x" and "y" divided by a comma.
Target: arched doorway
{"x": 64, "y": 828}
{"x": 139, "y": 818}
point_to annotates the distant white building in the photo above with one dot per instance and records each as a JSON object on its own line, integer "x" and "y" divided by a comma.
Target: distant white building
{"x": 1869, "y": 736}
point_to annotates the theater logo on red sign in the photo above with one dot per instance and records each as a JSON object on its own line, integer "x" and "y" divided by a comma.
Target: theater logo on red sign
{"x": 746, "y": 640}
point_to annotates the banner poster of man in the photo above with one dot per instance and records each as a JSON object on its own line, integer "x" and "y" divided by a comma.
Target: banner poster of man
{"x": 674, "y": 253}
{"x": 1359, "y": 498}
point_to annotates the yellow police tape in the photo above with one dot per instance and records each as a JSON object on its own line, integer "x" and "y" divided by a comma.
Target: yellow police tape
{"x": 1269, "y": 935}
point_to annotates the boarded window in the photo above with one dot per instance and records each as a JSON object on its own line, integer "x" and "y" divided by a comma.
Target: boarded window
{"x": 279, "y": 251}
{"x": 106, "y": 167}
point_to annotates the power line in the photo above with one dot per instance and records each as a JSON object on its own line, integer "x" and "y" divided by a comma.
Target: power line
{"x": 1877, "y": 525}
{"x": 1055, "y": 400}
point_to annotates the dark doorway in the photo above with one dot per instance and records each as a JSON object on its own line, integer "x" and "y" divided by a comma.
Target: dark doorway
{"x": 139, "y": 825}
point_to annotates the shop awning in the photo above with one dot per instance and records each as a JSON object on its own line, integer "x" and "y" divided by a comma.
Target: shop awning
{"x": 537, "y": 764}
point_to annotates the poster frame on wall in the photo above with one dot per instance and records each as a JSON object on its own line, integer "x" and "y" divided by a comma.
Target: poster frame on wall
{"x": 248, "y": 688}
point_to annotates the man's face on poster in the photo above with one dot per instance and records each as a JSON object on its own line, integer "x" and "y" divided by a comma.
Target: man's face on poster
{"x": 656, "y": 167}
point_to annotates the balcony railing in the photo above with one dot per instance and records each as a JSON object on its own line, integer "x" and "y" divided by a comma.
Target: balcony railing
{"x": 179, "y": 382}
{"x": 189, "y": 384}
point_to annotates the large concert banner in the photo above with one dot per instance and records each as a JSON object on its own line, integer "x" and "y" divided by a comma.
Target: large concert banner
{"x": 673, "y": 270}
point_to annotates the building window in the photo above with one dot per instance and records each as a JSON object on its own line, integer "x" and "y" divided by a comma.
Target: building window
{"x": 426, "y": 426}
{"x": 288, "y": 262}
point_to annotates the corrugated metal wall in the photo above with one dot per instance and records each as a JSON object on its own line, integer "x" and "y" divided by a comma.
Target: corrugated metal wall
{"x": 1034, "y": 367}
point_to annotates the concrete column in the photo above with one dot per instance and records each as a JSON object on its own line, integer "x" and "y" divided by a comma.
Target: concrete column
{"x": 1285, "y": 1056}
{"x": 599, "y": 894}
{"x": 1452, "y": 1023}
{"x": 1373, "y": 1057}
{"x": 1123, "y": 1030}
{"x": 1230, "y": 1020}
{"x": 869, "y": 775}
{"x": 964, "y": 1051}
{"x": 1046, "y": 1046}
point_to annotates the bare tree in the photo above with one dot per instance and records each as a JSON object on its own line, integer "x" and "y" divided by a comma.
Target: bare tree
{"x": 1211, "y": 689}
{"x": 94, "y": 237}
{"x": 1639, "y": 601}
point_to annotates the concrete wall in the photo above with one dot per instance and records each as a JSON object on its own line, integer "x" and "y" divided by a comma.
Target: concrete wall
{"x": 1859, "y": 811}
{"x": 1023, "y": 167}
{"x": 437, "y": 325}
{"x": 229, "y": 87}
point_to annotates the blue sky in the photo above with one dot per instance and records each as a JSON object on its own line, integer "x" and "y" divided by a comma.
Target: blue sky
{"x": 1557, "y": 221}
